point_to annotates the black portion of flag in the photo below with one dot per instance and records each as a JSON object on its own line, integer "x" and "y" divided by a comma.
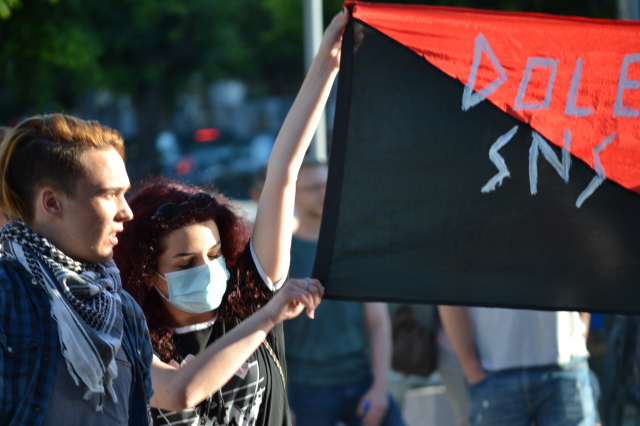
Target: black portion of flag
{"x": 405, "y": 218}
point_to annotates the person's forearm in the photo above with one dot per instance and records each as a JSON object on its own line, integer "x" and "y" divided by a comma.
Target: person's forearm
{"x": 272, "y": 231}
{"x": 586, "y": 319}
{"x": 273, "y": 225}
{"x": 379, "y": 335}
{"x": 456, "y": 321}
{"x": 206, "y": 373}
{"x": 179, "y": 389}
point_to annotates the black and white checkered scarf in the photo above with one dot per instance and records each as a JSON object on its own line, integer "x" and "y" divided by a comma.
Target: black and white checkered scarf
{"x": 85, "y": 303}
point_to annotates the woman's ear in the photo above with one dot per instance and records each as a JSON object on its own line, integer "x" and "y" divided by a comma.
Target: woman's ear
{"x": 148, "y": 279}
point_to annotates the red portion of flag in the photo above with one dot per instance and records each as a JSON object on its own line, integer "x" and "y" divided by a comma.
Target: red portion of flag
{"x": 554, "y": 73}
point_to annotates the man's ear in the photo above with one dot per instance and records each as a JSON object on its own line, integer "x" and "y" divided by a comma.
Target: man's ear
{"x": 49, "y": 203}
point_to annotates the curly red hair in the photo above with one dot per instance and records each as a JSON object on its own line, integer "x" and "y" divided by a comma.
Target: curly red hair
{"x": 142, "y": 242}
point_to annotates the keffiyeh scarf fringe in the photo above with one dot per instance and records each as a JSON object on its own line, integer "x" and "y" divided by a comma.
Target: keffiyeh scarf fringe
{"x": 85, "y": 303}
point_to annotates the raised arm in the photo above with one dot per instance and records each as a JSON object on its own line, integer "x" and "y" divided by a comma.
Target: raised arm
{"x": 179, "y": 389}
{"x": 273, "y": 226}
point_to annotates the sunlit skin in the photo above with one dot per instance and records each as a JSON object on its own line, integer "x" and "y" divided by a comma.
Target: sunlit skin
{"x": 84, "y": 225}
{"x": 185, "y": 248}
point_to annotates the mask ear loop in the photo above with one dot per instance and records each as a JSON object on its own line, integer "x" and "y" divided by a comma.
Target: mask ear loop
{"x": 161, "y": 294}
{"x": 158, "y": 290}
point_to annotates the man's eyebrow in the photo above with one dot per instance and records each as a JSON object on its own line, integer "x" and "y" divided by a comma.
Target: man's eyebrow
{"x": 185, "y": 254}
{"x": 113, "y": 189}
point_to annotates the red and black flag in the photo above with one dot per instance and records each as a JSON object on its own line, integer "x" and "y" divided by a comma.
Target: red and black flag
{"x": 485, "y": 158}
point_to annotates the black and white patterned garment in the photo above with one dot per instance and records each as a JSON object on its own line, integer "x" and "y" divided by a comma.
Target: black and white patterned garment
{"x": 85, "y": 303}
{"x": 255, "y": 395}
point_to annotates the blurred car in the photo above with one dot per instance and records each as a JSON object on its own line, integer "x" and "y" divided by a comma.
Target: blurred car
{"x": 227, "y": 161}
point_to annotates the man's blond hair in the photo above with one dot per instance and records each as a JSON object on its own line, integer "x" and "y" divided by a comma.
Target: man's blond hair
{"x": 47, "y": 150}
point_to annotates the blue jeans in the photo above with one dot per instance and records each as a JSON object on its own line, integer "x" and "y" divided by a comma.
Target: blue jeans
{"x": 325, "y": 405}
{"x": 546, "y": 396}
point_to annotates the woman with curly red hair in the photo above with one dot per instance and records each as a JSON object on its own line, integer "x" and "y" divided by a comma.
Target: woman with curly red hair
{"x": 198, "y": 271}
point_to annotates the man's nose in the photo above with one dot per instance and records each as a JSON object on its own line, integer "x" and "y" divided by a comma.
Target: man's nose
{"x": 124, "y": 212}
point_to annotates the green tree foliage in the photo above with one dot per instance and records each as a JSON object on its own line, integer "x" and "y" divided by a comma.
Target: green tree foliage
{"x": 43, "y": 47}
{"x": 52, "y": 53}
{"x": 6, "y": 6}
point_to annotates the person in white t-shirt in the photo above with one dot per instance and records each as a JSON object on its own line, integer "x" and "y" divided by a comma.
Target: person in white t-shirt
{"x": 522, "y": 366}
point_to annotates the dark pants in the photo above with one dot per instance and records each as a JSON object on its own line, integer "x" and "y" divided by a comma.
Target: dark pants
{"x": 325, "y": 406}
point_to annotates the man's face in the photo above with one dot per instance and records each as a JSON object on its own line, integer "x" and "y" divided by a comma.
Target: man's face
{"x": 310, "y": 190}
{"x": 91, "y": 219}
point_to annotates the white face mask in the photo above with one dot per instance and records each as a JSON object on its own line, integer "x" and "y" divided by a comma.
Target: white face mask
{"x": 199, "y": 289}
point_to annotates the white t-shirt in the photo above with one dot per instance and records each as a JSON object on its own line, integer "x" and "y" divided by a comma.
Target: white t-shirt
{"x": 514, "y": 338}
